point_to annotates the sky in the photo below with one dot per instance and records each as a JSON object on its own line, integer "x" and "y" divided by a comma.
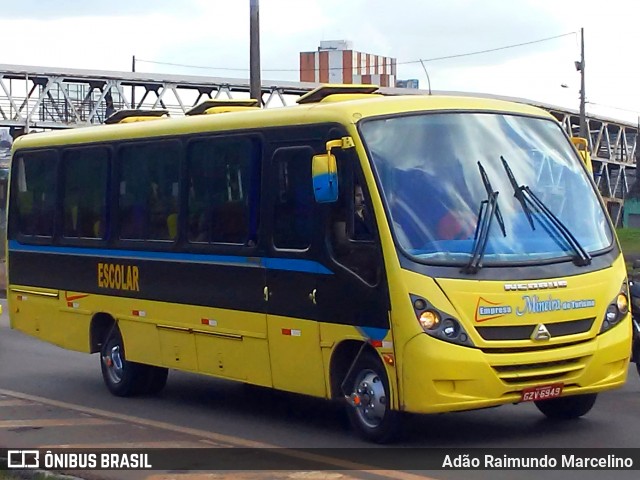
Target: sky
{"x": 214, "y": 36}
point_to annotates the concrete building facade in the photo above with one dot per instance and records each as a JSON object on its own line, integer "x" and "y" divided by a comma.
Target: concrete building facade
{"x": 337, "y": 62}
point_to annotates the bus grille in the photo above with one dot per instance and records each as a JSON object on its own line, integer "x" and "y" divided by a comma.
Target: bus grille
{"x": 540, "y": 372}
{"x": 523, "y": 332}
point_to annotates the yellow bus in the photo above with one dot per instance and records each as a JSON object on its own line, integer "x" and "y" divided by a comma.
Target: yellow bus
{"x": 396, "y": 253}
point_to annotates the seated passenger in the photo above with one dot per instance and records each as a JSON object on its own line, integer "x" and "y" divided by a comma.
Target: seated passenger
{"x": 361, "y": 221}
{"x": 455, "y": 226}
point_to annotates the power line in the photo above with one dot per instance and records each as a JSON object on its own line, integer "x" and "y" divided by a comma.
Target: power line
{"x": 196, "y": 66}
{"x": 495, "y": 49}
{"x": 478, "y": 52}
{"x": 615, "y": 108}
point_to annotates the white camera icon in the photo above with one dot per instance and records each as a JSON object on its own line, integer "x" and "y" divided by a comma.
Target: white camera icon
{"x": 23, "y": 459}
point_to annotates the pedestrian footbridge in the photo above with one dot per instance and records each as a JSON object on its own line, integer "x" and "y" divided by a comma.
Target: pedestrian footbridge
{"x": 42, "y": 98}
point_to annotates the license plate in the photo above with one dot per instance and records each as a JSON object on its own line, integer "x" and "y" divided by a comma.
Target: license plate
{"x": 543, "y": 392}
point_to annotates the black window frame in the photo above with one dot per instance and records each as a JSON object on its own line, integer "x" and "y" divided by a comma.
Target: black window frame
{"x": 61, "y": 239}
{"x": 253, "y": 207}
{"x": 256, "y": 138}
{"x": 115, "y": 225}
{"x": 273, "y": 187}
{"x": 13, "y": 225}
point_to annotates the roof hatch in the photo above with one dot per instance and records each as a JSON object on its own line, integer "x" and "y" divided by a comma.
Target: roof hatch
{"x": 135, "y": 115}
{"x": 350, "y": 92}
{"x": 222, "y": 106}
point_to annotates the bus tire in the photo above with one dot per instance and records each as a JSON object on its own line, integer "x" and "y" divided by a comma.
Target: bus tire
{"x": 122, "y": 378}
{"x": 567, "y": 408}
{"x": 635, "y": 352}
{"x": 372, "y": 419}
{"x": 156, "y": 379}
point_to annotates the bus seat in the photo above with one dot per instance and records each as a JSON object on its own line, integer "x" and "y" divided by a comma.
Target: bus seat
{"x": 172, "y": 225}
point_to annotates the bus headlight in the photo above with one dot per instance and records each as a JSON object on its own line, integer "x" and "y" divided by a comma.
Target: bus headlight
{"x": 429, "y": 320}
{"x": 622, "y": 302}
{"x": 439, "y": 324}
{"x": 616, "y": 310}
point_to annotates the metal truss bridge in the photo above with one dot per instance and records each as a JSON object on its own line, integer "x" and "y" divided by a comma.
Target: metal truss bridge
{"x": 37, "y": 98}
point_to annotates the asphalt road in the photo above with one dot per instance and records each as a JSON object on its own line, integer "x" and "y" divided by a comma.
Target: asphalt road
{"x": 196, "y": 408}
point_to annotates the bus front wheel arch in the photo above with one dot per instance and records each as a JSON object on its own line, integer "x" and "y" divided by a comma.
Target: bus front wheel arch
{"x": 101, "y": 326}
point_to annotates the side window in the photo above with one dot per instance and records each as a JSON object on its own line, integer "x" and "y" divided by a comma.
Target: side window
{"x": 148, "y": 191}
{"x": 352, "y": 227}
{"x": 294, "y": 201}
{"x": 84, "y": 190}
{"x": 223, "y": 176}
{"x": 35, "y": 186}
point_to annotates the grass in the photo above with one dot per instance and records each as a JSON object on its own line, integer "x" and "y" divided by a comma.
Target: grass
{"x": 18, "y": 475}
{"x": 27, "y": 474}
{"x": 630, "y": 243}
{"x": 30, "y": 475}
{"x": 629, "y": 240}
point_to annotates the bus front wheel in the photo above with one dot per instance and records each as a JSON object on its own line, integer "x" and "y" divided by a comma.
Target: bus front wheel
{"x": 567, "y": 408}
{"x": 368, "y": 403}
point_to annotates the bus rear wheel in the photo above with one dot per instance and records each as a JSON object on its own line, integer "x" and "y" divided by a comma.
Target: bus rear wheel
{"x": 156, "y": 380}
{"x": 368, "y": 404}
{"x": 124, "y": 378}
{"x": 567, "y": 408}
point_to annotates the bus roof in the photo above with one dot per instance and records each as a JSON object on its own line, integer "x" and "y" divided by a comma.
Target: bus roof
{"x": 353, "y": 110}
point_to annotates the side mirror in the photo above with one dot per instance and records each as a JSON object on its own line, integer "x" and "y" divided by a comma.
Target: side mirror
{"x": 325, "y": 178}
{"x": 582, "y": 146}
{"x": 325, "y": 171}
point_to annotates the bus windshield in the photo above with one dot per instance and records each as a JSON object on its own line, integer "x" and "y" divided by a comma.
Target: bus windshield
{"x": 437, "y": 172}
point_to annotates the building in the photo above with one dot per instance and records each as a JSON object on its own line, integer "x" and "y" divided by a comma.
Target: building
{"x": 337, "y": 62}
{"x": 410, "y": 83}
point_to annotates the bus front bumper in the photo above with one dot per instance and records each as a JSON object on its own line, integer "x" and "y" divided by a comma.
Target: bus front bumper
{"x": 438, "y": 376}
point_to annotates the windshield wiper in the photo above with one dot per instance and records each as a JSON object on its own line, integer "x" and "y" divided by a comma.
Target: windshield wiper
{"x": 518, "y": 192}
{"x": 488, "y": 209}
{"x": 526, "y": 197}
{"x": 490, "y": 191}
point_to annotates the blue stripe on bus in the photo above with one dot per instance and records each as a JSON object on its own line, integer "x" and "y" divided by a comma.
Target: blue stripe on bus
{"x": 296, "y": 265}
{"x": 290, "y": 264}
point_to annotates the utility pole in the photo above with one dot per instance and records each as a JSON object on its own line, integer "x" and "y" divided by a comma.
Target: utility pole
{"x": 26, "y": 124}
{"x": 427, "y": 74}
{"x": 255, "y": 83}
{"x": 583, "y": 101}
{"x": 133, "y": 87}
